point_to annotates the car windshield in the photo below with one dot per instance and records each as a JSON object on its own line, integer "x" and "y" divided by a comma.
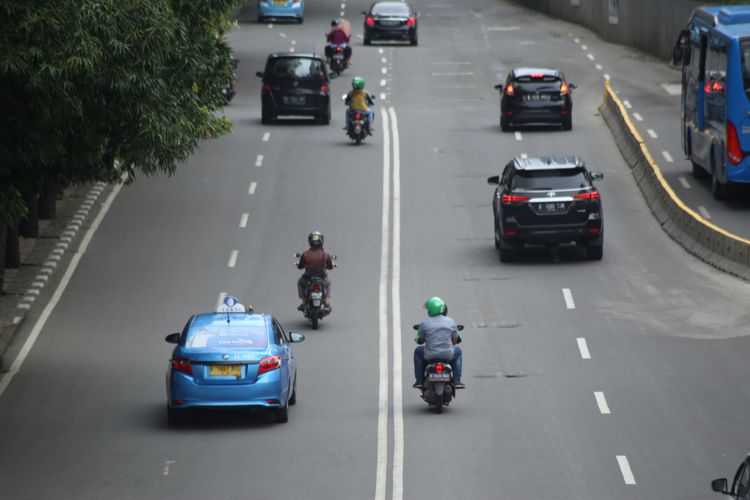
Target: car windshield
{"x": 532, "y": 83}
{"x": 296, "y": 68}
{"x": 540, "y": 180}
{"x": 390, "y": 9}
{"x": 212, "y": 332}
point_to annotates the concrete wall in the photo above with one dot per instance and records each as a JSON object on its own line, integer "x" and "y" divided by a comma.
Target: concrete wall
{"x": 649, "y": 25}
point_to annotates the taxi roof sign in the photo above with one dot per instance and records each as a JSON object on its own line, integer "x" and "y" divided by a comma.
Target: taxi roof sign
{"x": 232, "y": 304}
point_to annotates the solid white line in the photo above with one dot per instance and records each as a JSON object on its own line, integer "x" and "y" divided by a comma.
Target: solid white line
{"x": 652, "y": 133}
{"x": 627, "y": 474}
{"x": 253, "y": 187}
{"x": 519, "y": 136}
{"x": 397, "y": 481}
{"x": 667, "y": 156}
{"x": 76, "y": 258}
{"x": 584, "y": 348}
{"x": 627, "y": 104}
{"x": 259, "y": 160}
{"x": 243, "y": 220}
{"x": 381, "y": 471}
{"x": 220, "y": 300}
{"x": 704, "y": 213}
{"x": 568, "y": 296}
{"x": 684, "y": 182}
{"x": 590, "y": 56}
{"x": 638, "y": 116}
{"x": 458, "y": 73}
{"x": 266, "y": 136}
{"x": 602, "y": 403}
{"x": 233, "y": 258}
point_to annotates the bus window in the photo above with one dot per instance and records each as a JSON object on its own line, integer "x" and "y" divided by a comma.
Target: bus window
{"x": 714, "y": 82}
{"x": 745, "y": 56}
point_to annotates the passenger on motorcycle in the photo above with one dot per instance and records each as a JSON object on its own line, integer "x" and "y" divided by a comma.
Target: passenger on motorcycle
{"x": 439, "y": 334}
{"x": 337, "y": 36}
{"x": 358, "y": 99}
{"x": 315, "y": 262}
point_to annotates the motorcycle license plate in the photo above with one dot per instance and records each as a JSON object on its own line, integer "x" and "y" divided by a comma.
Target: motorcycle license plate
{"x": 439, "y": 377}
{"x": 316, "y": 296}
{"x": 339, "y": 57}
{"x": 225, "y": 370}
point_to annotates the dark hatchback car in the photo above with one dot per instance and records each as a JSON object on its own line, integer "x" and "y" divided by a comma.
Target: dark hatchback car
{"x": 547, "y": 201}
{"x": 295, "y": 85}
{"x": 536, "y": 96}
{"x": 740, "y": 484}
{"x": 392, "y": 21}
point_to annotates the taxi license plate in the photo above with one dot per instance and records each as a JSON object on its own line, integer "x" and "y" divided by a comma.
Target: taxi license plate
{"x": 439, "y": 377}
{"x": 279, "y": 2}
{"x": 551, "y": 208}
{"x": 225, "y": 370}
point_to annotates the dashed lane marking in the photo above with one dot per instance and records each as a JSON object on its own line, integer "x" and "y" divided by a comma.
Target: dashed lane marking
{"x": 384, "y": 70}
{"x": 266, "y": 136}
{"x": 590, "y": 56}
{"x": 638, "y": 116}
{"x": 583, "y": 348}
{"x": 243, "y": 220}
{"x": 282, "y": 35}
{"x": 233, "y": 258}
{"x": 672, "y": 88}
{"x": 627, "y": 473}
{"x": 382, "y": 96}
{"x": 259, "y": 161}
{"x": 602, "y": 403}
{"x": 568, "y": 296}
{"x": 667, "y": 156}
{"x": 519, "y": 136}
{"x": 524, "y": 155}
{"x": 627, "y": 104}
{"x": 383, "y": 82}
{"x": 599, "y": 67}
{"x": 606, "y": 76}
{"x": 684, "y": 182}
{"x": 704, "y": 213}
{"x": 584, "y": 47}
{"x": 252, "y": 188}
{"x": 652, "y": 133}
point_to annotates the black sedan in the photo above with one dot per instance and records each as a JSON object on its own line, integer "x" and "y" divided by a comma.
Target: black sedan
{"x": 547, "y": 201}
{"x": 740, "y": 484}
{"x": 536, "y": 95}
{"x": 391, "y": 21}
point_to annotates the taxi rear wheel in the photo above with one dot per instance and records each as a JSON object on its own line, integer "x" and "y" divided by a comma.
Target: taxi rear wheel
{"x": 176, "y": 418}
{"x": 293, "y": 397}
{"x": 282, "y": 414}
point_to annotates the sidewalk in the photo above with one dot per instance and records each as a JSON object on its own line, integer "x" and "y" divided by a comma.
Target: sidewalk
{"x": 43, "y": 259}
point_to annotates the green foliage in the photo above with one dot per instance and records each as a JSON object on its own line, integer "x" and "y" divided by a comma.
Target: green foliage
{"x": 90, "y": 89}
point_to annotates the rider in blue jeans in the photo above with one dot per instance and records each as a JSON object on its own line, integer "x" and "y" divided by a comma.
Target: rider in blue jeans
{"x": 439, "y": 334}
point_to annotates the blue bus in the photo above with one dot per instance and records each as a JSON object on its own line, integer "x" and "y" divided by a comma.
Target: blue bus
{"x": 714, "y": 52}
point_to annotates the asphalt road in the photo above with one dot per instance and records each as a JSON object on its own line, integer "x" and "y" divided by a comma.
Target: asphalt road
{"x": 619, "y": 379}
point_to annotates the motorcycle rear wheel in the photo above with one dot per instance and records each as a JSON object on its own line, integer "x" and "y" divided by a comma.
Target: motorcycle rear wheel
{"x": 439, "y": 405}
{"x": 314, "y": 315}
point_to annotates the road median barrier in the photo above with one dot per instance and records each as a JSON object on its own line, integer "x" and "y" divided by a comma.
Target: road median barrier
{"x": 707, "y": 241}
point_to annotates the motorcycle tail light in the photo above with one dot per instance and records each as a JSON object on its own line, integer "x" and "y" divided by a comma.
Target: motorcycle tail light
{"x": 338, "y": 49}
{"x": 316, "y": 287}
{"x": 358, "y": 116}
{"x": 269, "y": 363}
{"x": 411, "y": 21}
{"x": 439, "y": 368}
{"x": 370, "y": 21}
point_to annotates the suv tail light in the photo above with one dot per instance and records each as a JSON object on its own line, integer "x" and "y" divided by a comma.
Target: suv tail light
{"x": 513, "y": 198}
{"x": 591, "y": 195}
{"x": 411, "y": 21}
{"x": 510, "y": 90}
{"x": 182, "y": 365}
{"x": 734, "y": 150}
{"x": 370, "y": 21}
{"x": 268, "y": 364}
{"x": 324, "y": 88}
{"x": 564, "y": 90}
{"x": 266, "y": 88}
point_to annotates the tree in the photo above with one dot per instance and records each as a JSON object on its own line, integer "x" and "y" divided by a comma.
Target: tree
{"x": 100, "y": 90}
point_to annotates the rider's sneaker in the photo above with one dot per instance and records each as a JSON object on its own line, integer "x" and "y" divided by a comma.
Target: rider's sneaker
{"x": 370, "y": 130}
{"x": 301, "y": 307}
{"x": 417, "y": 385}
{"x": 459, "y": 385}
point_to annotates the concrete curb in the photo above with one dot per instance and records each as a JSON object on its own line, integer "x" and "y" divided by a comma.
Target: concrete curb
{"x": 710, "y": 243}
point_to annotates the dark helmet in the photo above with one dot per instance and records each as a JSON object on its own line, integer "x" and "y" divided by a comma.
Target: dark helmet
{"x": 315, "y": 239}
{"x": 334, "y": 23}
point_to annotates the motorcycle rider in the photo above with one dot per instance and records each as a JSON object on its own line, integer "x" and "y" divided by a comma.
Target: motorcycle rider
{"x": 315, "y": 261}
{"x": 338, "y": 36}
{"x": 439, "y": 334}
{"x": 358, "y": 99}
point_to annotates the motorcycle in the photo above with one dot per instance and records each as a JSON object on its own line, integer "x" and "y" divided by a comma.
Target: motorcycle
{"x": 228, "y": 88}
{"x": 438, "y": 388}
{"x": 315, "y": 298}
{"x": 358, "y": 125}
{"x": 338, "y": 60}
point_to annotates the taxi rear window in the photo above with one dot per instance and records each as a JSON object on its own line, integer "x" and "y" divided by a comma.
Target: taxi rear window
{"x": 214, "y": 333}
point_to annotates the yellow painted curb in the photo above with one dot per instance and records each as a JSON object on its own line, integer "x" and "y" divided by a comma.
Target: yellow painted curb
{"x": 609, "y": 91}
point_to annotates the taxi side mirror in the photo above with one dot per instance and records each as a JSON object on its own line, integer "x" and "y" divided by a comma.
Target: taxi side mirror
{"x": 172, "y": 338}
{"x": 295, "y": 337}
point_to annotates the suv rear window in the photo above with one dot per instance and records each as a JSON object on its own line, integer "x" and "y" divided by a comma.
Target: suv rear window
{"x": 390, "y": 9}
{"x": 533, "y": 180}
{"x": 295, "y": 68}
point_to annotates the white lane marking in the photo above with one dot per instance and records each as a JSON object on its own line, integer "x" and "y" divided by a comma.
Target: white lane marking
{"x": 457, "y": 73}
{"x": 519, "y": 136}
{"x": 360, "y": 35}
{"x": 233, "y": 258}
{"x": 684, "y": 182}
{"x": 243, "y": 220}
{"x": 384, "y": 70}
{"x": 380, "y": 51}
{"x": 39, "y": 284}
{"x": 220, "y": 300}
{"x": 704, "y": 213}
{"x": 397, "y": 469}
{"x": 503, "y": 28}
{"x": 343, "y": 13}
{"x": 17, "y": 319}
{"x": 598, "y": 66}
{"x": 291, "y": 49}
{"x": 28, "y": 298}
{"x": 266, "y": 136}
{"x": 382, "y": 96}
{"x": 568, "y": 296}
{"x": 627, "y": 474}
{"x": 282, "y": 35}
{"x": 259, "y": 160}
{"x": 253, "y": 187}
{"x": 602, "y": 403}
{"x": 451, "y": 63}
{"x": 383, "y": 82}
{"x": 39, "y": 325}
{"x": 270, "y": 25}
{"x": 23, "y": 306}
{"x": 343, "y": 5}
{"x": 524, "y": 155}
{"x": 454, "y": 87}
{"x": 167, "y": 463}
{"x": 294, "y": 42}
{"x": 33, "y": 291}
{"x": 381, "y": 471}
{"x": 577, "y": 40}
{"x": 638, "y": 116}
{"x": 667, "y": 156}
{"x": 584, "y": 47}
{"x": 383, "y": 60}
{"x": 652, "y": 133}
{"x": 672, "y": 88}
{"x": 627, "y": 104}
{"x": 590, "y": 56}
{"x": 606, "y": 76}
{"x": 583, "y": 347}
{"x": 42, "y": 277}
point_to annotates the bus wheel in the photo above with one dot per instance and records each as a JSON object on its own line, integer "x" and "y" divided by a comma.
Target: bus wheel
{"x": 698, "y": 171}
{"x": 718, "y": 189}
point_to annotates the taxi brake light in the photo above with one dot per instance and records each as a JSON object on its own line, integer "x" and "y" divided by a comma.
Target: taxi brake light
{"x": 269, "y": 363}
{"x": 182, "y": 365}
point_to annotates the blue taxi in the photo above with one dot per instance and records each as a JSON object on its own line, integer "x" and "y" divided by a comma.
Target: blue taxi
{"x": 290, "y": 9}
{"x": 232, "y": 358}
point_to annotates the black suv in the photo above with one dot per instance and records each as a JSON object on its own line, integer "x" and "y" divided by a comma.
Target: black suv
{"x": 548, "y": 201}
{"x": 536, "y": 95}
{"x": 295, "y": 84}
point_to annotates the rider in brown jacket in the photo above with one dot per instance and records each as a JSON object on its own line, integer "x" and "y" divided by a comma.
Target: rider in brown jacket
{"x": 315, "y": 262}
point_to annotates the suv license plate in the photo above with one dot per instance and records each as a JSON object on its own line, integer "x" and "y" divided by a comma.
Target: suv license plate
{"x": 550, "y": 208}
{"x": 294, "y": 100}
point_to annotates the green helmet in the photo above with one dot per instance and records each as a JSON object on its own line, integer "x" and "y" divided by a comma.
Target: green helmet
{"x": 358, "y": 82}
{"x": 435, "y": 306}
